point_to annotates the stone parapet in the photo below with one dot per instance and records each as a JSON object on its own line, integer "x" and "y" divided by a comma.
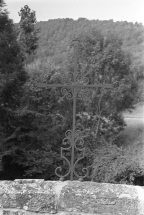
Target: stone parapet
{"x": 36, "y": 196}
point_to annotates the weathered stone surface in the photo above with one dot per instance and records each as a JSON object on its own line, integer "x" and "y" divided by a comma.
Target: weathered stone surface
{"x": 28, "y": 197}
{"x": 91, "y": 197}
{"x": 18, "y": 212}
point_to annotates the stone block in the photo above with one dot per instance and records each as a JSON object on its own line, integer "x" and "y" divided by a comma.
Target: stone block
{"x": 31, "y": 197}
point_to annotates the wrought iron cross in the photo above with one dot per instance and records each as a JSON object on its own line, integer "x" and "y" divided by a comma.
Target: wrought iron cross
{"x": 70, "y": 91}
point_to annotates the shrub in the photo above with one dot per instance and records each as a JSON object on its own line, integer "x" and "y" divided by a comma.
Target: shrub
{"x": 113, "y": 164}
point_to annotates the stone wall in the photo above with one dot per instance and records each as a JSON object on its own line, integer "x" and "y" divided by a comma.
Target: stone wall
{"x": 30, "y": 197}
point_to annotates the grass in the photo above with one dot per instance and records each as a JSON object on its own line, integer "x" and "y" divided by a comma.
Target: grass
{"x": 133, "y": 136}
{"x": 134, "y": 132}
{"x": 138, "y": 112}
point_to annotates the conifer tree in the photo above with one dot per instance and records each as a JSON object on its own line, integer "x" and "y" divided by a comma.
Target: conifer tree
{"x": 28, "y": 34}
{"x": 12, "y": 76}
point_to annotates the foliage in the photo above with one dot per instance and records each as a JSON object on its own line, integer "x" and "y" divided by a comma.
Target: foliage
{"x": 2, "y": 4}
{"x": 13, "y": 77}
{"x": 28, "y": 35}
{"x": 56, "y": 36}
{"x": 51, "y": 125}
{"x": 113, "y": 164}
{"x": 101, "y": 60}
{"x": 12, "y": 73}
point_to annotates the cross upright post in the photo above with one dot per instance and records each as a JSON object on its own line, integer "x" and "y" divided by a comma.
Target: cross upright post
{"x": 74, "y": 112}
{"x": 73, "y": 136}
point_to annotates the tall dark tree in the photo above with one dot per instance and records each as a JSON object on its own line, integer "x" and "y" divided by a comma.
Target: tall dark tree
{"x": 2, "y": 4}
{"x": 28, "y": 34}
{"x": 12, "y": 76}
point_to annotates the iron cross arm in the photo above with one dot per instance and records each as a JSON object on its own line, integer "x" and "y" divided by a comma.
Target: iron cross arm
{"x": 43, "y": 85}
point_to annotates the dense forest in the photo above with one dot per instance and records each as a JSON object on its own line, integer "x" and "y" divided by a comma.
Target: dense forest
{"x": 34, "y": 119}
{"x": 55, "y": 38}
{"x": 56, "y": 35}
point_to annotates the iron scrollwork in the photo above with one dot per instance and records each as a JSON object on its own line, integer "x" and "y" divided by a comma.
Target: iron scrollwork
{"x": 77, "y": 87}
{"x": 78, "y": 145}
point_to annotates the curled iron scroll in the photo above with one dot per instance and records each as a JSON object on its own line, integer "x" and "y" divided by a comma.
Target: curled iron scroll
{"x": 67, "y": 92}
{"x": 80, "y": 148}
{"x": 68, "y": 141}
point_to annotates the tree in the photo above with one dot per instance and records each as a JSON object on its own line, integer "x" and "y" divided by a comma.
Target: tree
{"x": 28, "y": 35}
{"x": 102, "y": 60}
{"x": 12, "y": 71}
{"x": 2, "y": 4}
{"x": 24, "y": 148}
{"x": 13, "y": 77}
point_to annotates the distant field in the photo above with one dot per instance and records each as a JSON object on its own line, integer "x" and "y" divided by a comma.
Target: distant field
{"x": 138, "y": 112}
{"x": 133, "y": 135}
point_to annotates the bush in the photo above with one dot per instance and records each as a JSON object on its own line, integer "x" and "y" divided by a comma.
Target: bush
{"x": 113, "y": 164}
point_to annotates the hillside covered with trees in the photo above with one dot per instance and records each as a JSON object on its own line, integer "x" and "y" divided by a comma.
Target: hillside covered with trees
{"x": 35, "y": 119}
{"x": 56, "y": 35}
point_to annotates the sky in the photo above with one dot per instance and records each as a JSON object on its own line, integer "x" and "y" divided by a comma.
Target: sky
{"x": 118, "y": 10}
